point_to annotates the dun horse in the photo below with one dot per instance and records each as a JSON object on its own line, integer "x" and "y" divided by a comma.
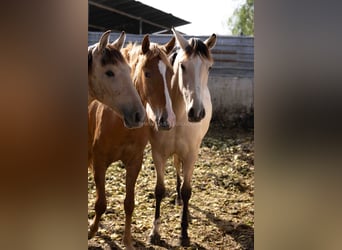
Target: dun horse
{"x": 110, "y": 141}
{"x": 192, "y": 106}
{"x": 109, "y": 81}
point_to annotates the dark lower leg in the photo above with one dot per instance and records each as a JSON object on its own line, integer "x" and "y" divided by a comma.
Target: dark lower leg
{"x": 159, "y": 193}
{"x": 186, "y": 194}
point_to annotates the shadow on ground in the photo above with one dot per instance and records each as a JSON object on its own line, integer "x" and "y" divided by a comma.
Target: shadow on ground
{"x": 242, "y": 233}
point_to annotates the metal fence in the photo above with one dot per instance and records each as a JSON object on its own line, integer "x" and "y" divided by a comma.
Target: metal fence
{"x": 233, "y": 55}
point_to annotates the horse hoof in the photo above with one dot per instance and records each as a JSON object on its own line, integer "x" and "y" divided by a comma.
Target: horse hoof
{"x": 184, "y": 242}
{"x": 154, "y": 239}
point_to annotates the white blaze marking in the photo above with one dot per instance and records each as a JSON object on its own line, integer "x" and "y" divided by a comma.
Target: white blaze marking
{"x": 198, "y": 80}
{"x": 171, "y": 118}
{"x": 150, "y": 114}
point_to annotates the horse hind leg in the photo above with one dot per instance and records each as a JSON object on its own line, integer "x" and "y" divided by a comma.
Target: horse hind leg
{"x": 100, "y": 203}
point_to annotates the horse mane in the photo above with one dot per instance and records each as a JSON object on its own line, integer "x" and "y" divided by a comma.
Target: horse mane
{"x": 197, "y": 47}
{"x": 173, "y": 57}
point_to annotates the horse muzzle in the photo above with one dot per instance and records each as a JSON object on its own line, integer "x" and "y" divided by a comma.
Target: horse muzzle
{"x": 134, "y": 119}
{"x": 166, "y": 122}
{"x": 196, "y": 115}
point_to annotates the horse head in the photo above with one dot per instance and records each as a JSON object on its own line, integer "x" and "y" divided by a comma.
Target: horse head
{"x": 152, "y": 77}
{"x": 191, "y": 66}
{"x": 109, "y": 80}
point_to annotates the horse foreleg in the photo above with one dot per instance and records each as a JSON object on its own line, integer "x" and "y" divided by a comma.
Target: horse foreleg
{"x": 159, "y": 194}
{"x": 188, "y": 167}
{"x": 132, "y": 172}
{"x": 100, "y": 203}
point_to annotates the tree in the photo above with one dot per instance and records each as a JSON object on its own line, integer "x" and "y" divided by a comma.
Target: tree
{"x": 242, "y": 20}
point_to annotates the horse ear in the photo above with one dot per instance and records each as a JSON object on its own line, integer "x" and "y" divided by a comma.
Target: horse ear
{"x": 211, "y": 41}
{"x": 170, "y": 45}
{"x": 103, "y": 40}
{"x": 183, "y": 43}
{"x": 145, "y": 45}
{"x": 118, "y": 43}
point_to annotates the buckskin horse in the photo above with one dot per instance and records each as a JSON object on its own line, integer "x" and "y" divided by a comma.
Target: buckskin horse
{"x": 110, "y": 141}
{"x": 109, "y": 80}
{"x": 192, "y": 106}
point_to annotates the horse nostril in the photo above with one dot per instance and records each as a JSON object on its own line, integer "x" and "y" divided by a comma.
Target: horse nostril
{"x": 137, "y": 117}
{"x": 191, "y": 113}
{"x": 162, "y": 121}
{"x": 202, "y": 114}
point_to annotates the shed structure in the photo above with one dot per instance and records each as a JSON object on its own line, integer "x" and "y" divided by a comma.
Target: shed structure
{"x": 129, "y": 15}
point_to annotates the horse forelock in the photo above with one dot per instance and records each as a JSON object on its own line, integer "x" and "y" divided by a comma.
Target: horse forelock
{"x": 110, "y": 55}
{"x": 139, "y": 59}
{"x": 157, "y": 50}
{"x": 197, "y": 47}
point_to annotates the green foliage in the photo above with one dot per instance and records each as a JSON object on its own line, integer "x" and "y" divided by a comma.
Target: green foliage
{"x": 242, "y": 20}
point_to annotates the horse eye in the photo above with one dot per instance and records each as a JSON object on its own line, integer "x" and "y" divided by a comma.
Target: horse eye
{"x": 182, "y": 66}
{"x": 209, "y": 68}
{"x": 109, "y": 73}
{"x": 147, "y": 74}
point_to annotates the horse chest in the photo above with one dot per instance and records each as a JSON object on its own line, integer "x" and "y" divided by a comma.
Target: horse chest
{"x": 130, "y": 145}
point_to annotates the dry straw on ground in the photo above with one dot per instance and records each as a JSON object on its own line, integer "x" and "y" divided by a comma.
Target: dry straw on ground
{"x": 221, "y": 205}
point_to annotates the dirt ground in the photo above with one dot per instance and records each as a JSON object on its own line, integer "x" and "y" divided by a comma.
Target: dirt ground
{"x": 221, "y": 206}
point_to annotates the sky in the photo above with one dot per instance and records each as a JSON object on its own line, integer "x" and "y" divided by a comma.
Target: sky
{"x": 206, "y": 17}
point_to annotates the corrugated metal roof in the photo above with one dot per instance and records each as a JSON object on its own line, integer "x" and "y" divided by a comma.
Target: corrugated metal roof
{"x": 129, "y": 15}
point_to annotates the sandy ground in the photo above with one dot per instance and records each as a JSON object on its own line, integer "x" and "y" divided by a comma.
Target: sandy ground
{"x": 221, "y": 206}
